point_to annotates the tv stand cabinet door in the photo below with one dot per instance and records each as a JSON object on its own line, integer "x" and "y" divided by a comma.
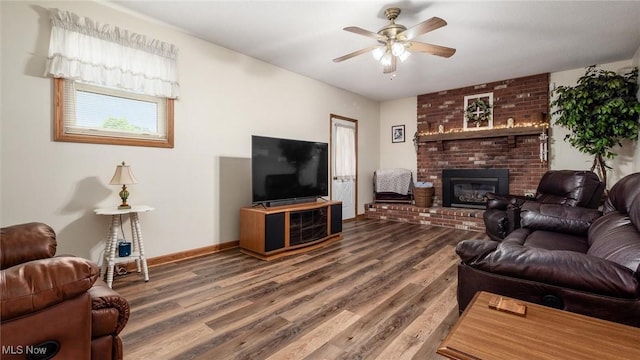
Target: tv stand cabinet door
{"x": 336, "y": 218}
{"x": 262, "y": 232}
{"x": 274, "y": 231}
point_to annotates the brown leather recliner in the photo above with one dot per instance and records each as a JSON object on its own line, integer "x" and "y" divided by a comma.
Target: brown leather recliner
{"x": 572, "y": 258}
{"x": 564, "y": 187}
{"x": 54, "y": 306}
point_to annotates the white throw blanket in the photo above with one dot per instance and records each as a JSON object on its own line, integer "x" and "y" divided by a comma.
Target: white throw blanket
{"x": 393, "y": 180}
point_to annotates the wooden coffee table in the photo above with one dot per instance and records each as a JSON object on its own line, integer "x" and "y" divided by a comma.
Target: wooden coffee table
{"x": 543, "y": 333}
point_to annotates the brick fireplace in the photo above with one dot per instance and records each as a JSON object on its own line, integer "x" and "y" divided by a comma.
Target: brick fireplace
{"x": 511, "y": 144}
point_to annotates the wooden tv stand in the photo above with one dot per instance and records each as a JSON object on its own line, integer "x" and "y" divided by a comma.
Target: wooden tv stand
{"x": 273, "y": 232}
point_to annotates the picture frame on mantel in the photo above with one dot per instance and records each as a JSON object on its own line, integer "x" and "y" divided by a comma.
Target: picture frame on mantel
{"x": 397, "y": 134}
{"x": 478, "y": 117}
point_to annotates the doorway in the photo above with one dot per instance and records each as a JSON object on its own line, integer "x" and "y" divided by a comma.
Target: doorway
{"x": 344, "y": 164}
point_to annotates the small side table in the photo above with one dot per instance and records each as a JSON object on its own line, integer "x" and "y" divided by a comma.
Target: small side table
{"x": 110, "y": 259}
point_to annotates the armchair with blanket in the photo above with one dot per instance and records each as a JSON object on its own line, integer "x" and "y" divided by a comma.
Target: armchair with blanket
{"x": 393, "y": 186}
{"x": 573, "y": 258}
{"x": 54, "y": 304}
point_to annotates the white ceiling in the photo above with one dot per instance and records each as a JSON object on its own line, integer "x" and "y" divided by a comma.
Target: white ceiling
{"x": 494, "y": 40}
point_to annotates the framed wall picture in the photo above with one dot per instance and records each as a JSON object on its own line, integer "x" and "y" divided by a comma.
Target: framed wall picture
{"x": 397, "y": 133}
{"x": 478, "y": 112}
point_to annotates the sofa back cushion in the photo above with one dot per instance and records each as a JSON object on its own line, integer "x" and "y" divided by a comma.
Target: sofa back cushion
{"x": 39, "y": 284}
{"x": 616, "y": 235}
{"x": 615, "y": 238}
{"x": 26, "y": 242}
{"x": 624, "y": 197}
{"x": 570, "y": 188}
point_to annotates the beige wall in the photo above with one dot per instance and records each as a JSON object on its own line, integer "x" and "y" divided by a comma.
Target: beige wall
{"x": 225, "y": 98}
{"x": 398, "y": 155}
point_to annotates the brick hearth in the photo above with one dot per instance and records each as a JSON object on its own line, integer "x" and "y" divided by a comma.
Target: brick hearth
{"x": 465, "y": 219}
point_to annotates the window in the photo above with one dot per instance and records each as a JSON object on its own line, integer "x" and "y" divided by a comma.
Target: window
{"x": 100, "y": 115}
{"x": 111, "y": 86}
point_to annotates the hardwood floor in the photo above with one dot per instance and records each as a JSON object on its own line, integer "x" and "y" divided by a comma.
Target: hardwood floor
{"x": 385, "y": 291}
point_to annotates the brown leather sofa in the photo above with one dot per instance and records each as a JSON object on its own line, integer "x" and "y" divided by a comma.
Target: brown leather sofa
{"x": 572, "y": 258}
{"x": 54, "y": 307}
{"x": 564, "y": 187}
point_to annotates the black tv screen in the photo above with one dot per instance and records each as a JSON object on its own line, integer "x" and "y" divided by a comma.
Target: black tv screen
{"x": 285, "y": 169}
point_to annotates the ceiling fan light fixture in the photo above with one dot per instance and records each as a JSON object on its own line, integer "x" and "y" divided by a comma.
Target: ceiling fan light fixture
{"x": 397, "y": 49}
{"x": 404, "y": 56}
{"x": 395, "y": 41}
{"x": 386, "y": 59}
{"x": 378, "y": 53}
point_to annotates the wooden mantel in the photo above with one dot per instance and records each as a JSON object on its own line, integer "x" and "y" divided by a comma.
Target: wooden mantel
{"x": 510, "y": 133}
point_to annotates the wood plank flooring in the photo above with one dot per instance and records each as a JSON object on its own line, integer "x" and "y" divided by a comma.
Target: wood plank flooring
{"x": 385, "y": 291}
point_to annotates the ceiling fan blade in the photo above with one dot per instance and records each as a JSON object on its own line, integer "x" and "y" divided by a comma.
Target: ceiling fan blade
{"x": 431, "y": 49}
{"x": 421, "y": 28}
{"x": 355, "y": 53}
{"x": 391, "y": 68}
{"x": 367, "y": 33}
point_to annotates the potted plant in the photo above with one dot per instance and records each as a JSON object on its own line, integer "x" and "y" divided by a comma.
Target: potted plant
{"x": 600, "y": 112}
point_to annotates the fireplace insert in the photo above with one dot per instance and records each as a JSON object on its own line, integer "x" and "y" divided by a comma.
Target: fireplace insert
{"x": 466, "y": 188}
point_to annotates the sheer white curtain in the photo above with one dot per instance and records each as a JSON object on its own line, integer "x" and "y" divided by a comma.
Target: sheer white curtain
{"x": 85, "y": 50}
{"x": 345, "y": 145}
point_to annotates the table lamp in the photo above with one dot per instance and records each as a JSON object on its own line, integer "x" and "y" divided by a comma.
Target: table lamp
{"x": 124, "y": 177}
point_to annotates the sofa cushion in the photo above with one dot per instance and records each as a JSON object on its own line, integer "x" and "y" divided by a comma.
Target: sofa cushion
{"x": 613, "y": 237}
{"x": 558, "y": 218}
{"x": 555, "y": 267}
{"x": 26, "y": 242}
{"x": 568, "y": 187}
{"x": 624, "y": 197}
{"x": 38, "y": 284}
{"x": 549, "y": 240}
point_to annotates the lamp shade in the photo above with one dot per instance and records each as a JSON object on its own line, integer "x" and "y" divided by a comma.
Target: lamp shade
{"x": 123, "y": 176}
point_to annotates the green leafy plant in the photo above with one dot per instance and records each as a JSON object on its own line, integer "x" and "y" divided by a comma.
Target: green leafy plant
{"x": 600, "y": 112}
{"x": 478, "y": 112}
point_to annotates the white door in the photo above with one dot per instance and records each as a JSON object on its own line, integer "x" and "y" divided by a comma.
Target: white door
{"x": 344, "y": 164}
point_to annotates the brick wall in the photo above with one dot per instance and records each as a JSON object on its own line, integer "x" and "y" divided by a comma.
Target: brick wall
{"x": 526, "y": 100}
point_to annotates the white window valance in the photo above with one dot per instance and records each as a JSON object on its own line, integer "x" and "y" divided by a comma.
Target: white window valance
{"x": 104, "y": 55}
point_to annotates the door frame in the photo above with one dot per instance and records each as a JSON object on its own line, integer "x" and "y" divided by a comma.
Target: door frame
{"x": 355, "y": 192}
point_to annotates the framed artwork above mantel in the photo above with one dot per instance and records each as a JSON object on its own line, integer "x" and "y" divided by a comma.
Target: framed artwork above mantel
{"x": 478, "y": 112}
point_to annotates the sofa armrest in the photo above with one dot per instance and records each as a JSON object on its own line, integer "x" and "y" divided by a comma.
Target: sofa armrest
{"x": 497, "y": 201}
{"x": 472, "y": 250}
{"x": 36, "y": 285}
{"x": 109, "y": 310}
{"x": 559, "y": 218}
{"x": 560, "y": 268}
{"x": 26, "y": 242}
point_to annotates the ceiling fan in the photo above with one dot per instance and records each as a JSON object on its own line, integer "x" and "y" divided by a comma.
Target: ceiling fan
{"x": 394, "y": 41}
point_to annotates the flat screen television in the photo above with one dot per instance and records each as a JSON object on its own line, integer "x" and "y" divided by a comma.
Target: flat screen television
{"x": 288, "y": 171}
